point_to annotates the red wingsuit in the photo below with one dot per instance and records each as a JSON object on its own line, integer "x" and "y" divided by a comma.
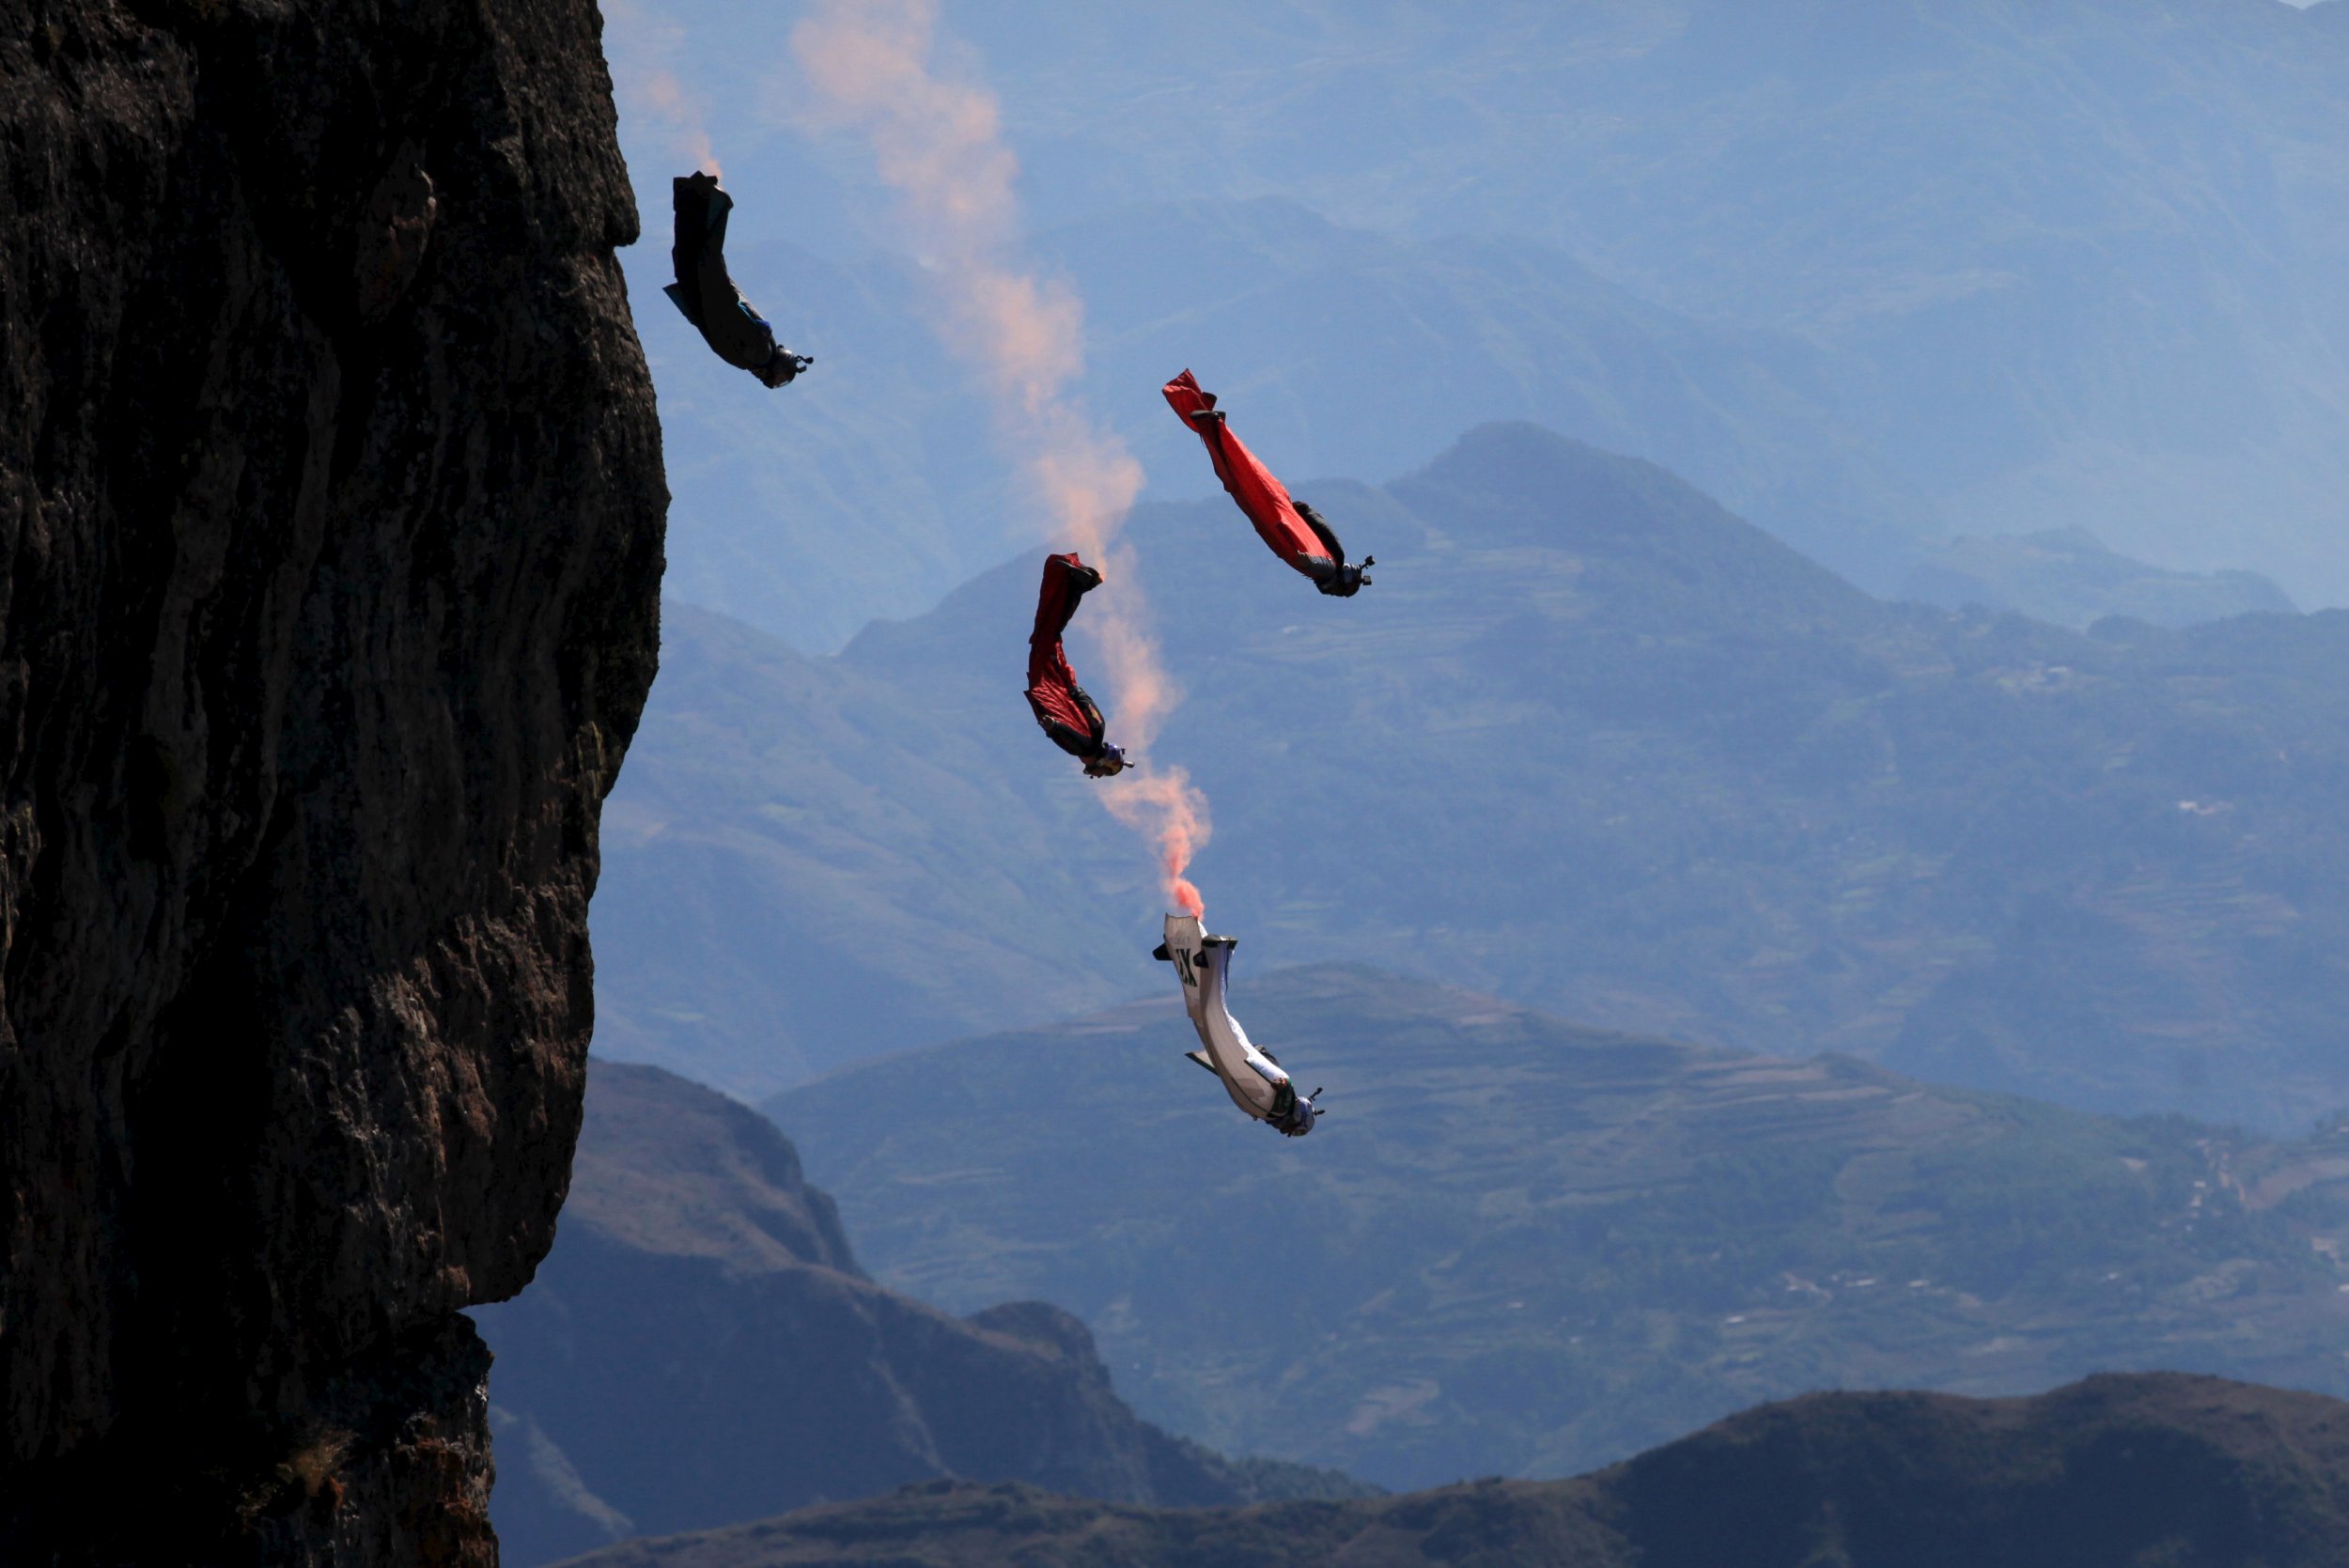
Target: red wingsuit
{"x": 1070, "y": 719}
{"x": 1295, "y": 531}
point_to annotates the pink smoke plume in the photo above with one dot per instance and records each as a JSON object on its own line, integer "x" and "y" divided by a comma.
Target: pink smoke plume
{"x": 939, "y": 142}
{"x": 1164, "y": 805}
{"x": 636, "y": 44}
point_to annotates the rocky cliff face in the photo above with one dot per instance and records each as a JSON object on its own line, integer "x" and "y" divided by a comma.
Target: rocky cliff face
{"x": 331, "y": 498}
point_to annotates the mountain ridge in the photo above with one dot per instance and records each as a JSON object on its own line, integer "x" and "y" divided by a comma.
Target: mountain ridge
{"x": 1930, "y": 269}
{"x": 2111, "y": 1472}
{"x": 701, "y": 1348}
{"x": 1658, "y": 771}
{"x": 1529, "y": 1247}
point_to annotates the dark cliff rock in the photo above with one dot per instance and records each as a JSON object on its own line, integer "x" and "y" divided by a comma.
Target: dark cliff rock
{"x": 331, "y": 497}
{"x": 700, "y": 1348}
{"x": 2115, "y": 1472}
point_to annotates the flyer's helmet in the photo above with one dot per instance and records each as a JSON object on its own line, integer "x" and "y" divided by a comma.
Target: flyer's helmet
{"x": 1299, "y": 1118}
{"x": 782, "y": 366}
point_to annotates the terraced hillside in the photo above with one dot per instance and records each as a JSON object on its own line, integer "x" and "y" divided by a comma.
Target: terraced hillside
{"x": 1523, "y": 1247}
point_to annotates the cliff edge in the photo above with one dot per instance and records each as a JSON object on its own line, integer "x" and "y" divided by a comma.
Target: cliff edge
{"x": 331, "y": 497}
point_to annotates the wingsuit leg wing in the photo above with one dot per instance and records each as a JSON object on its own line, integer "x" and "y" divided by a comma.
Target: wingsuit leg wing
{"x": 705, "y": 294}
{"x": 1069, "y": 717}
{"x": 1296, "y": 533}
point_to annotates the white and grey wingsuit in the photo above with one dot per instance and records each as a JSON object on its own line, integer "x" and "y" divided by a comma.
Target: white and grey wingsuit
{"x": 1253, "y": 1079}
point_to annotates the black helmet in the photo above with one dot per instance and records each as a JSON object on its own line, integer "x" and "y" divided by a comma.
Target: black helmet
{"x": 1299, "y": 1118}
{"x": 1345, "y": 581}
{"x": 783, "y": 366}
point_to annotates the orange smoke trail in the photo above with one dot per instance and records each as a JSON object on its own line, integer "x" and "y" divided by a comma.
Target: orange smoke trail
{"x": 666, "y": 102}
{"x": 1167, "y": 807}
{"x": 940, "y": 143}
{"x": 635, "y": 45}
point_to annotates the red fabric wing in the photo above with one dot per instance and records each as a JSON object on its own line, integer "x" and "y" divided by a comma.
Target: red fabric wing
{"x": 1053, "y": 693}
{"x": 1264, "y": 498}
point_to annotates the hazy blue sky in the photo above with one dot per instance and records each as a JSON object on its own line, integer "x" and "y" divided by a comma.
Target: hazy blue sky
{"x": 1933, "y": 272}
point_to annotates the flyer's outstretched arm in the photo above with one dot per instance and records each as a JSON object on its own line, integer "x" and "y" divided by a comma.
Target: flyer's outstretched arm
{"x": 1297, "y": 532}
{"x": 1255, "y": 1080}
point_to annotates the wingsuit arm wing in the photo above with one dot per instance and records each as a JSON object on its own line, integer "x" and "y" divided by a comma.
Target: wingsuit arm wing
{"x": 1069, "y": 717}
{"x": 705, "y": 294}
{"x": 1294, "y": 533}
{"x": 1252, "y": 1078}
{"x": 689, "y": 200}
{"x": 1253, "y": 1081}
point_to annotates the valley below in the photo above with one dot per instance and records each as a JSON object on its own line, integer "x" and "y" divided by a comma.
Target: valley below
{"x": 1524, "y": 1247}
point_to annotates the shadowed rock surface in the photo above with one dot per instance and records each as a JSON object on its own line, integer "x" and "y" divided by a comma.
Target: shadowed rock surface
{"x": 330, "y": 494}
{"x": 701, "y": 1348}
{"x": 2115, "y": 1472}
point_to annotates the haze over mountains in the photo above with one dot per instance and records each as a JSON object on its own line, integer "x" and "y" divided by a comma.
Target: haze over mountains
{"x": 2038, "y": 308}
{"x": 701, "y": 1348}
{"x": 1350, "y": 351}
{"x": 1873, "y": 272}
{"x": 1589, "y": 743}
{"x": 1520, "y": 1246}
{"x": 1523, "y": 1247}
{"x": 2067, "y": 576}
{"x": 2115, "y": 1472}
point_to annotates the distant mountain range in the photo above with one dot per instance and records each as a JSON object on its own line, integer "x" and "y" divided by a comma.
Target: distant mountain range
{"x": 1871, "y": 271}
{"x": 1523, "y": 1247}
{"x": 701, "y": 1348}
{"x": 2067, "y": 576}
{"x": 2115, "y": 1472}
{"x": 875, "y": 486}
{"x": 1589, "y": 743}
